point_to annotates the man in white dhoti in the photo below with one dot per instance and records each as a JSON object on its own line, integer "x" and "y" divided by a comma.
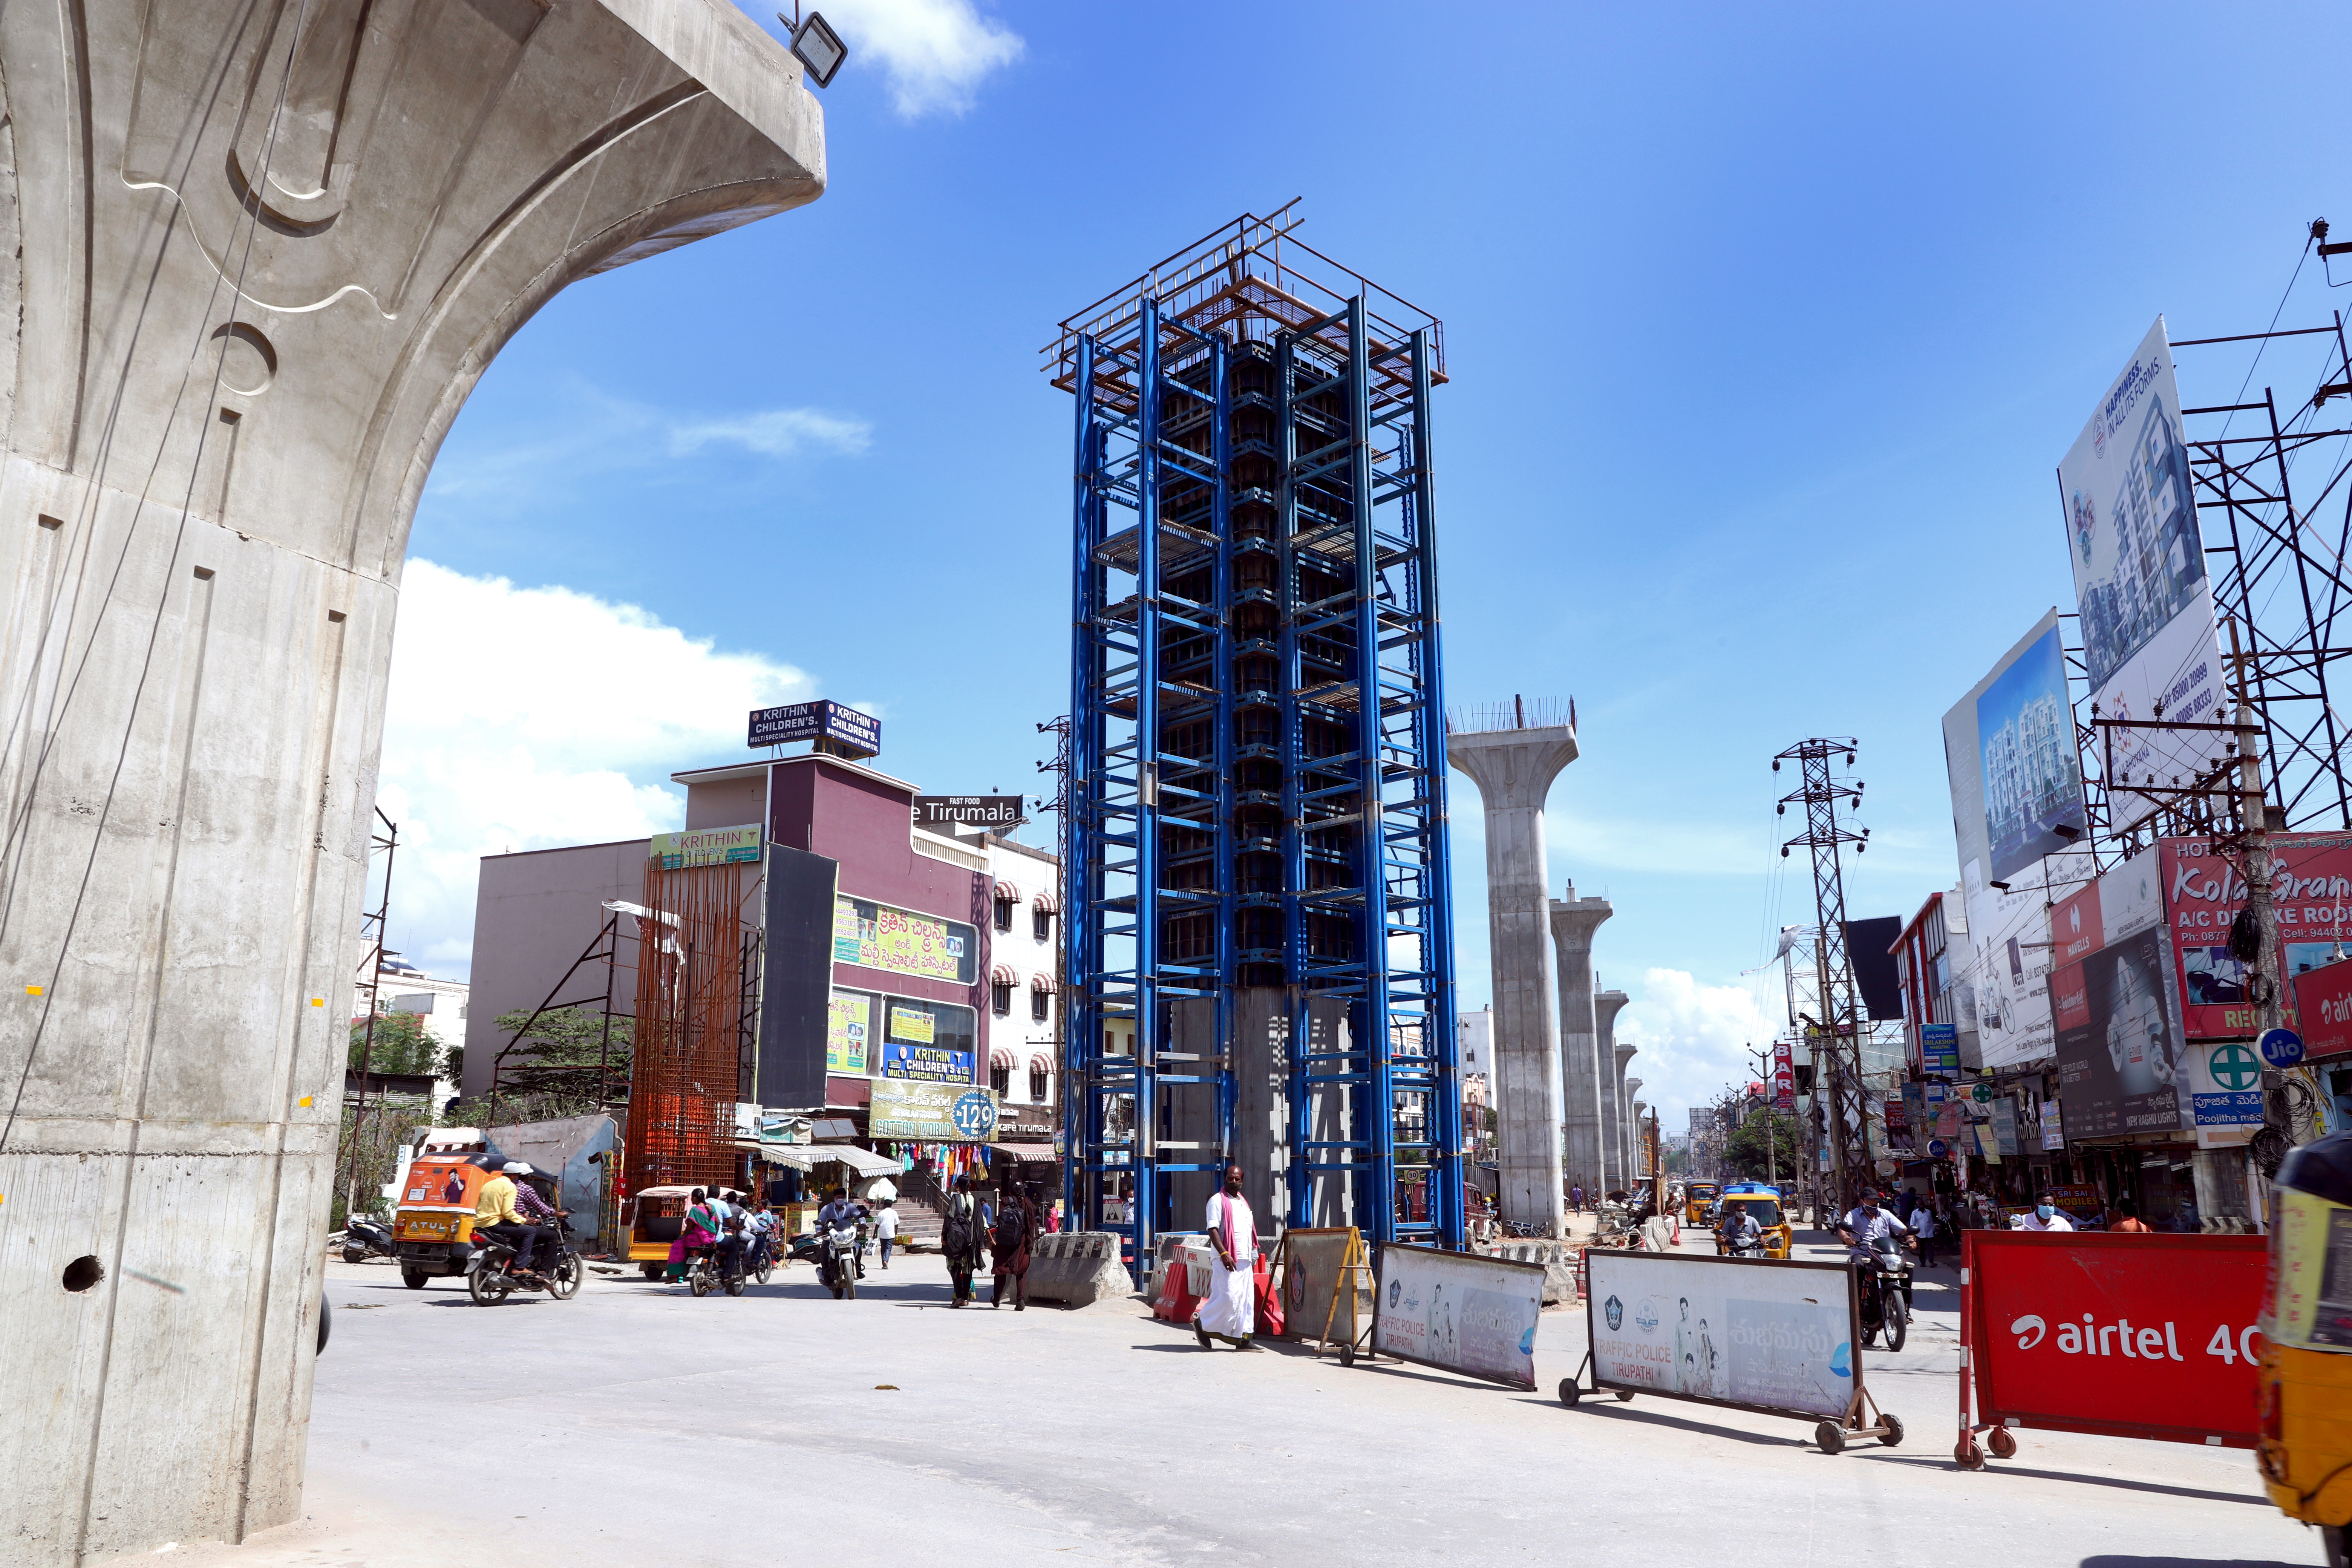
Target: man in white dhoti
{"x": 1229, "y": 1312}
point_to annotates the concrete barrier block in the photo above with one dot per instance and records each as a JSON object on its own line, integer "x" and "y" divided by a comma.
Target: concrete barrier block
{"x": 1078, "y": 1267}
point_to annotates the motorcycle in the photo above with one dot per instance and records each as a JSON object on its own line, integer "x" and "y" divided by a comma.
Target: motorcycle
{"x": 365, "y": 1239}
{"x": 1886, "y": 1296}
{"x": 837, "y": 1263}
{"x": 1744, "y": 1246}
{"x": 704, "y": 1273}
{"x": 490, "y": 1278}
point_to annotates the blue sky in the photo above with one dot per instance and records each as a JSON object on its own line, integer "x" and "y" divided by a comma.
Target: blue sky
{"x": 1767, "y": 329}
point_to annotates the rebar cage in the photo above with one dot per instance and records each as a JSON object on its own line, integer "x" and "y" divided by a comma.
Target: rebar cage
{"x": 1257, "y": 755}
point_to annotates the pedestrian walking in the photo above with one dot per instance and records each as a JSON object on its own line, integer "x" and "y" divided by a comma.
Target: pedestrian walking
{"x": 1576, "y": 1198}
{"x": 886, "y": 1227}
{"x": 1923, "y": 1225}
{"x": 1008, "y": 1248}
{"x": 1230, "y": 1310}
{"x": 960, "y": 1234}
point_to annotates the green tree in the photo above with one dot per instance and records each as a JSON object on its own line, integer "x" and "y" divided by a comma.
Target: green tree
{"x": 1746, "y": 1150}
{"x": 400, "y": 1045}
{"x": 566, "y": 1055}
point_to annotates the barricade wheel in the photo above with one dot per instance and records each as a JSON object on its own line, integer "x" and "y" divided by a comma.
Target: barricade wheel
{"x": 1348, "y": 1355}
{"x": 1968, "y": 1456}
{"x": 1831, "y": 1437}
{"x": 1569, "y": 1392}
{"x": 2003, "y": 1443}
{"x": 1624, "y": 1396}
{"x": 1894, "y": 1428}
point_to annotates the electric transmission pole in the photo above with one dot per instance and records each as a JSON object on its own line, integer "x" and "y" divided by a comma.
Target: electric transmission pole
{"x": 1836, "y": 1035}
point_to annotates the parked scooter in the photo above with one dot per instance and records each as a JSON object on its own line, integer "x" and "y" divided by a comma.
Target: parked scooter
{"x": 364, "y": 1239}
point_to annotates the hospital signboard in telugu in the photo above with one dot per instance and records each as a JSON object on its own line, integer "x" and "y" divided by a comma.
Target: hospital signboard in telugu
{"x": 901, "y": 942}
{"x": 706, "y": 846}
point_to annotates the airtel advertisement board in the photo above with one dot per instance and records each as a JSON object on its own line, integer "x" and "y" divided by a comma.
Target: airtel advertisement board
{"x": 2311, "y": 896}
{"x": 2137, "y": 1336}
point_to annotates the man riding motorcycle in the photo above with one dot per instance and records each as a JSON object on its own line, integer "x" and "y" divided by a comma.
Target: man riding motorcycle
{"x": 1871, "y": 1234}
{"x": 495, "y": 1216}
{"x": 845, "y": 1213}
{"x": 1741, "y": 1233}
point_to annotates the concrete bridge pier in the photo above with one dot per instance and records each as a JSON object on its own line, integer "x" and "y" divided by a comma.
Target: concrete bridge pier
{"x": 1606, "y": 1007}
{"x": 253, "y": 257}
{"x": 1513, "y": 770}
{"x": 1574, "y": 923}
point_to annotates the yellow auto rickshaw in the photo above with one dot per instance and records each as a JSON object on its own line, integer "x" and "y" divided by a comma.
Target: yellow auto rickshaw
{"x": 433, "y": 1225}
{"x": 1764, "y": 1203}
{"x": 653, "y": 1219}
{"x": 1698, "y": 1198}
{"x": 2304, "y": 1397}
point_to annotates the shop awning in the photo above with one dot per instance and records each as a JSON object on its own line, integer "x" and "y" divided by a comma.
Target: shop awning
{"x": 1041, "y": 981}
{"x": 1045, "y": 901}
{"x": 1006, "y": 891}
{"x": 1003, "y": 1056}
{"x": 809, "y": 1156}
{"x": 1004, "y": 975}
{"x": 1028, "y": 1153}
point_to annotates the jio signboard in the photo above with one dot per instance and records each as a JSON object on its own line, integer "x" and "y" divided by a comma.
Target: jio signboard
{"x": 2133, "y": 1336}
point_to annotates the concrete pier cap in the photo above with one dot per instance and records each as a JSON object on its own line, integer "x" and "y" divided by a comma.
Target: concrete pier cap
{"x": 253, "y": 258}
{"x": 1513, "y": 770}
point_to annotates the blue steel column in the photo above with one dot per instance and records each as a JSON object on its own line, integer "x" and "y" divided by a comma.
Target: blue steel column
{"x": 1225, "y": 948}
{"x": 1286, "y": 747}
{"x": 1081, "y": 889}
{"x": 1375, "y": 1124}
{"x": 1149, "y": 1196}
{"x": 1453, "y": 1223}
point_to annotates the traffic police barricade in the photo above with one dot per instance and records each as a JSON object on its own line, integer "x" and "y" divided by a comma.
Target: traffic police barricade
{"x": 1765, "y": 1334}
{"x": 2150, "y": 1335}
{"x": 1458, "y": 1311}
{"x": 1325, "y": 1279}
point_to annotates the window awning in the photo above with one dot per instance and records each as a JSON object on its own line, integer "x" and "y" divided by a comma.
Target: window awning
{"x": 1045, "y": 901}
{"x": 1003, "y": 1056}
{"x": 1041, "y": 1062}
{"x": 1037, "y": 1153}
{"x": 809, "y": 1156}
{"x": 1041, "y": 981}
{"x": 1004, "y": 975}
{"x": 1007, "y": 891}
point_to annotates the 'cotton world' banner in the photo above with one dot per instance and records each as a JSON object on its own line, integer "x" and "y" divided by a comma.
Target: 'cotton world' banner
{"x": 2149, "y": 638}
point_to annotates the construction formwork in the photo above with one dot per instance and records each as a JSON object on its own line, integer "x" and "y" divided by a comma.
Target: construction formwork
{"x": 1259, "y": 930}
{"x": 696, "y": 1003}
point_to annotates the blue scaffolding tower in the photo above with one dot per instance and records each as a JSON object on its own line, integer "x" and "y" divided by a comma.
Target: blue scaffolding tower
{"x": 1259, "y": 915}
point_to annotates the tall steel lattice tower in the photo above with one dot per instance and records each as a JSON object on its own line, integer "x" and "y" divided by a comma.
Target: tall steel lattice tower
{"x": 1258, "y": 933}
{"x": 1836, "y": 1035}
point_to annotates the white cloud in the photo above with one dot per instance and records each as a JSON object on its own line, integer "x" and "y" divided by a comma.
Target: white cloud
{"x": 524, "y": 718}
{"x": 935, "y": 52}
{"x": 1693, "y": 1038}
{"x": 778, "y": 433}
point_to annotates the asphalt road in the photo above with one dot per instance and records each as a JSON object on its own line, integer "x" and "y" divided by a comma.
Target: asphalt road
{"x": 636, "y": 1424}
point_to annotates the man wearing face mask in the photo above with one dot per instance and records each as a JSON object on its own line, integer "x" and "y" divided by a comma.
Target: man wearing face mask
{"x": 2045, "y": 1216}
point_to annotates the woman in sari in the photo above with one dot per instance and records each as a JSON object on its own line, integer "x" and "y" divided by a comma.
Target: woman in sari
{"x": 699, "y": 1228}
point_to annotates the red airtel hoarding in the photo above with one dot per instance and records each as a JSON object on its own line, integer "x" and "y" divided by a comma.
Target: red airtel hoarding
{"x": 2311, "y": 897}
{"x": 2133, "y": 1335}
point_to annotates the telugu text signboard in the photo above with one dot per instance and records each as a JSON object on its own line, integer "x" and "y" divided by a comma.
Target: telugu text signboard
{"x": 902, "y": 942}
{"x": 1459, "y": 1310}
{"x": 2135, "y": 1336}
{"x": 1755, "y": 1333}
{"x": 925, "y": 1112}
{"x": 2310, "y": 900}
{"x": 2148, "y": 640}
{"x": 1940, "y": 1048}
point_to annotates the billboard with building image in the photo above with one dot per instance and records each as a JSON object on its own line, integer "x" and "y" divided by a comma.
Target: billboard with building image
{"x": 2148, "y": 639}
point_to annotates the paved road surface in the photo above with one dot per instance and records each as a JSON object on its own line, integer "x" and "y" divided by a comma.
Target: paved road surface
{"x": 637, "y": 1425}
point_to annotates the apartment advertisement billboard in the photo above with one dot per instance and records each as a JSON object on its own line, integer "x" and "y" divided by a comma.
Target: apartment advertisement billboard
{"x": 2003, "y": 961}
{"x": 2132, "y": 537}
{"x": 2311, "y": 899}
{"x": 2031, "y": 775}
{"x": 2123, "y": 1066}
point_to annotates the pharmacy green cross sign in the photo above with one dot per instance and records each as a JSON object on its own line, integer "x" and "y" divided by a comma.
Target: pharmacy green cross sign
{"x": 2234, "y": 1066}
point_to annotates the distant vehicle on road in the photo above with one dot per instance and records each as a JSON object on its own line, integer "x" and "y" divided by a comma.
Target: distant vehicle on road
{"x": 1763, "y": 1203}
{"x": 1699, "y": 1200}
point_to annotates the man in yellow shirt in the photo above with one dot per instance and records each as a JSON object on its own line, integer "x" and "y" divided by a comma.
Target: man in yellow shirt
{"x": 495, "y": 1216}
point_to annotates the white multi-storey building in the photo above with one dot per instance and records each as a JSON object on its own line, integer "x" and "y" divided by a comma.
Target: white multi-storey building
{"x": 1024, "y": 1003}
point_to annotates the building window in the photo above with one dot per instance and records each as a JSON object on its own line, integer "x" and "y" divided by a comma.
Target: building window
{"x": 1036, "y": 1084}
{"x": 1004, "y": 914}
{"x": 1039, "y": 1006}
{"x": 1042, "y": 925}
{"x": 999, "y": 998}
{"x": 1001, "y": 1080}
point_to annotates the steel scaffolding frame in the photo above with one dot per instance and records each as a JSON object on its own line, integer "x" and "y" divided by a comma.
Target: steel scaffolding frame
{"x": 1257, "y": 768}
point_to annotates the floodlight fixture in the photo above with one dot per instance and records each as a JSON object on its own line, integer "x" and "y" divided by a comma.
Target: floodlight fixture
{"x": 816, "y": 45}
